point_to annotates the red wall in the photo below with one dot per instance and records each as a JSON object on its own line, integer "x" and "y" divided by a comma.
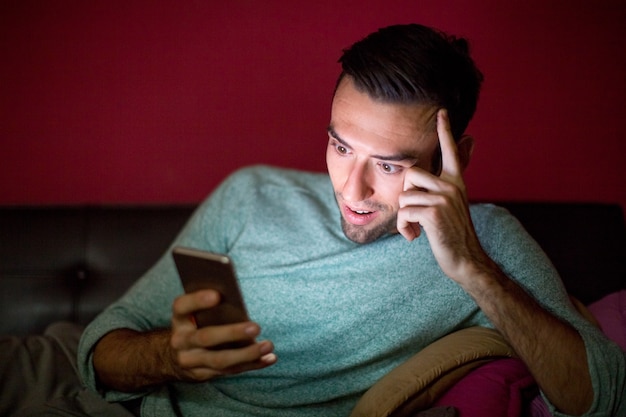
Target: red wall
{"x": 122, "y": 101}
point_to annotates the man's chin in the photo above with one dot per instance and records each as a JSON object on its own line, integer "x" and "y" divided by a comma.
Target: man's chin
{"x": 365, "y": 234}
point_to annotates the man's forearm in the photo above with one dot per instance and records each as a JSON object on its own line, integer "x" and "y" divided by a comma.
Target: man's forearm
{"x": 128, "y": 361}
{"x": 552, "y": 349}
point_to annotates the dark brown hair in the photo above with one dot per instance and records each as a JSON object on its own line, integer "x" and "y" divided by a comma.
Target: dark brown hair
{"x": 416, "y": 64}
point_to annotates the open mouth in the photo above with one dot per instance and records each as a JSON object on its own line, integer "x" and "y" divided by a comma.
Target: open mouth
{"x": 358, "y": 217}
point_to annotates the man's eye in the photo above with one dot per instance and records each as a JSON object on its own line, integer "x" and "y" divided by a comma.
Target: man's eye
{"x": 389, "y": 168}
{"x": 341, "y": 149}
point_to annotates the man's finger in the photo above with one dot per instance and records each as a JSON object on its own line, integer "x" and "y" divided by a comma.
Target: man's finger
{"x": 187, "y": 304}
{"x": 212, "y": 336}
{"x": 200, "y": 300}
{"x": 450, "y": 164}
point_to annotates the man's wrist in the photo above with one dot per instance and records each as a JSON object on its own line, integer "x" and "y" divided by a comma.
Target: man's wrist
{"x": 166, "y": 354}
{"x": 483, "y": 277}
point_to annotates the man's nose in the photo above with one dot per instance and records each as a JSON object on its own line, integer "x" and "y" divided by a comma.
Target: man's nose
{"x": 358, "y": 183}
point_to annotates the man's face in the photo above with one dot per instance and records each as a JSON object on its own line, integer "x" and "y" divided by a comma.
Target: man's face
{"x": 371, "y": 145}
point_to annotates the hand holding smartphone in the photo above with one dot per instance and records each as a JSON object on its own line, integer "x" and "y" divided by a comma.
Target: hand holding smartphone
{"x": 200, "y": 270}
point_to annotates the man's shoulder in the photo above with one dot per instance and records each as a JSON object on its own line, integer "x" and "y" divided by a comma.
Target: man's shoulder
{"x": 487, "y": 209}
{"x": 487, "y": 217}
{"x": 258, "y": 176}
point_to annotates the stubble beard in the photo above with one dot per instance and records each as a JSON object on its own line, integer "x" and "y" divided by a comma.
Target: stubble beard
{"x": 363, "y": 234}
{"x": 367, "y": 233}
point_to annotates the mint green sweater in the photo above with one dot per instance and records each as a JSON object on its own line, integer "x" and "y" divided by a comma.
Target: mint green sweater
{"x": 341, "y": 314}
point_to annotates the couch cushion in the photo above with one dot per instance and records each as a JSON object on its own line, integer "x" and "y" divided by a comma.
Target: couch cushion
{"x": 585, "y": 241}
{"x": 500, "y": 388}
{"x": 68, "y": 263}
{"x": 417, "y": 383}
{"x": 610, "y": 312}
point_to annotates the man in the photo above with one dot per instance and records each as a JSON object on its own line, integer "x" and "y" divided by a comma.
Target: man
{"x": 348, "y": 275}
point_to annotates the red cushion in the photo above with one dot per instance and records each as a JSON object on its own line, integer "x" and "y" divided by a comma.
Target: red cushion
{"x": 495, "y": 389}
{"x": 610, "y": 312}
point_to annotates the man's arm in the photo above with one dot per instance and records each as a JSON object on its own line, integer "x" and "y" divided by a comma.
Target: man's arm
{"x": 552, "y": 350}
{"x": 128, "y": 361}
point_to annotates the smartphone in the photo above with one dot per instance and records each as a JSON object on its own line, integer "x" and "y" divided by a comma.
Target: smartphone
{"x": 199, "y": 270}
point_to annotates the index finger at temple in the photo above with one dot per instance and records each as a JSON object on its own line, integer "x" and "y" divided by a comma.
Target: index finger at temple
{"x": 449, "y": 154}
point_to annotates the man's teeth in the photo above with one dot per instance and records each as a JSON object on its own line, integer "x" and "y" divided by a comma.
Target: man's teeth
{"x": 362, "y": 212}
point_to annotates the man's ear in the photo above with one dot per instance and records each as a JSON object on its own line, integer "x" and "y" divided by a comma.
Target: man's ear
{"x": 465, "y": 147}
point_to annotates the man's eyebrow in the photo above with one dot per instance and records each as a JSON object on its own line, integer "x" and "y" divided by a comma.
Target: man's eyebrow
{"x": 399, "y": 157}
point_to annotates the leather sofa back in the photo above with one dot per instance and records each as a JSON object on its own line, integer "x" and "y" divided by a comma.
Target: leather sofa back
{"x": 585, "y": 241}
{"x": 68, "y": 263}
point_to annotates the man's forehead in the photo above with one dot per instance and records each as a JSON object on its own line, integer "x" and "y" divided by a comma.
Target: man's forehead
{"x": 359, "y": 105}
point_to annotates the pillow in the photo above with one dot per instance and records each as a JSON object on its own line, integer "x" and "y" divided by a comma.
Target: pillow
{"x": 497, "y": 389}
{"x": 417, "y": 383}
{"x": 420, "y": 382}
{"x": 610, "y": 312}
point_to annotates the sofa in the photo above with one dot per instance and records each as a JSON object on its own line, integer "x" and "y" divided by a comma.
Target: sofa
{"x": 68, "y": 263}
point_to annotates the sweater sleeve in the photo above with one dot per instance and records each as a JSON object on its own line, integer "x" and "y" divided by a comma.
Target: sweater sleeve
{"x": 147, "y": 304}
{"x": 523, "y": 260}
